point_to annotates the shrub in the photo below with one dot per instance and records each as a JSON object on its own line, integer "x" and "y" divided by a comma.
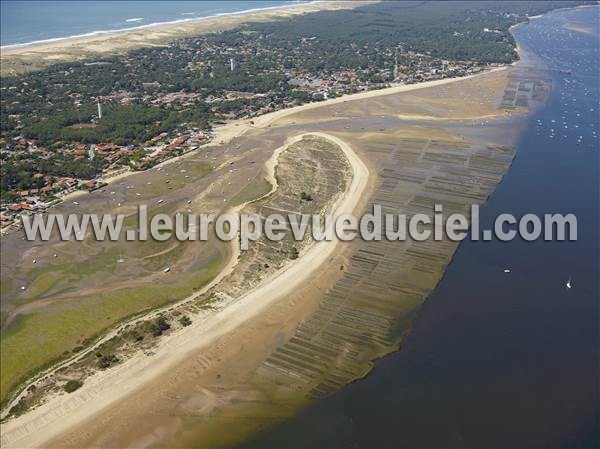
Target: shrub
{"x": 306, "y": 196}
{"x": 161, "y": 325}
{"x": 73, "y": 385}
{"x": 156, "y": 327}
{"x": 185, "y": 320}
{"x": 134, "y": 335}
{"x": 107, "y": 360}
{"x": 19, "y": 408}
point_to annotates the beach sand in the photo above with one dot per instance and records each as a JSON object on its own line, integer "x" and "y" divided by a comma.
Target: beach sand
{"x": 209, "y": 376}
{"x": 140, "y": 370}
{"x": 288, "y": 290}
{"x": 22, "y": 59}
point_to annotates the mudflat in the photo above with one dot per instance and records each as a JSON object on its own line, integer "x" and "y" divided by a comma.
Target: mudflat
{"x": 306, "y": 333}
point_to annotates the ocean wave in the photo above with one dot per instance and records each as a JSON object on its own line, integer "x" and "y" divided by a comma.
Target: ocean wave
{"x": 156, "y": 24}
{"x": 135, "y": 19}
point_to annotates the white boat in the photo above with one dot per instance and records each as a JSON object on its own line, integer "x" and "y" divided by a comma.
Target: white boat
{"x": 569, "y": 283}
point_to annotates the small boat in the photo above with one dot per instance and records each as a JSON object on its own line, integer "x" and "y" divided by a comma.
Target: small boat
{"x": 569, "y": 283}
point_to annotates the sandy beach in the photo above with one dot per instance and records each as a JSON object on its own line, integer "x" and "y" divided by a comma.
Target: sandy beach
{"x": 225, "y": 134}
{"x": 103, "y": 389}
{"x": 64, "y": 412}
{"x": 20, "y": 59}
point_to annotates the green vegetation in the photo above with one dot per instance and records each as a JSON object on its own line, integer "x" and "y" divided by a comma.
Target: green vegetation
{"x": 17, "y": 173}
{"x": 73, "y": 385}
{"x": 185, "y": 321}
{"x": 156, "y": 327}
{"x": 19, "y": 408}
{"x": 56, "y": 106}
{"x": 121, "y": 124}
{"x": 134, "y": 335}
{"x": 256, "y": 189}
{"x": 36, "y": 340}
{"x": 306, "y": 196}
{"x": 106, "y": 360}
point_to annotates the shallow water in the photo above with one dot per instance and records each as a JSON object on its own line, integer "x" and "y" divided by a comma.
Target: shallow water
{"x": 501, "y": 359}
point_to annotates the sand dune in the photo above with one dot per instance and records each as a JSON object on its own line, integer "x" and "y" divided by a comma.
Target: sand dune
{"x": 105, "y": 388}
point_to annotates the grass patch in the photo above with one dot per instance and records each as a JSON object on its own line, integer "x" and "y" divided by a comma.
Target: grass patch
{"x": 36, "y": 340}
{"x": 42, "y": 284}
{"x": 61, "y": 277}
{"x": 256, "y": 189}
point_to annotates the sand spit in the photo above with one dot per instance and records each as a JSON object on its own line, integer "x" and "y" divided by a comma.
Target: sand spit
{"x": 105, "y": 388}
{"x": 225, "y": 134}
{"x": 358, "y": 305}
{"x": 230, "y": 131}
{"x": 414, "y": 166}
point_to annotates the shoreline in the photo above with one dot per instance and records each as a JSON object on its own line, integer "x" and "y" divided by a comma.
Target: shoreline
{"x": 230, "y": 130}
{"x": 224, "y": 133}
{"x": 426, "y": 345}
{"x": 99, "y": 44}
{"x": 227, "y": 132}
{"x": 90, "y": 400}
{"x": 100, "y": 33}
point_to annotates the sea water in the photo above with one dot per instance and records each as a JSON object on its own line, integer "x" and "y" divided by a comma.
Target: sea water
{"x": 501, "y": 359}
{"x": 24, "y": 22}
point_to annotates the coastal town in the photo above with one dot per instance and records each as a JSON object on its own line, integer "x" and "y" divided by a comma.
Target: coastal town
{"x": 47, "y": 190}
{"x": 84, "y": 127}
{"x": 223, "y": 227}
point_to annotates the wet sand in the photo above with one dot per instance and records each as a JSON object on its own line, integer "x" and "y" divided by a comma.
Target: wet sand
{"x": 229, "y": 380}
{"x": 140, "y": 370}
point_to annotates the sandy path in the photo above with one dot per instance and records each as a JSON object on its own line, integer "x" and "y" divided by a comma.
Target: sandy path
{"x": 107, "y": 387}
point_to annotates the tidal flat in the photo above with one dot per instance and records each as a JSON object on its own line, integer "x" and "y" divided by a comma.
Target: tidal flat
{"x": 360, "y": 305}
